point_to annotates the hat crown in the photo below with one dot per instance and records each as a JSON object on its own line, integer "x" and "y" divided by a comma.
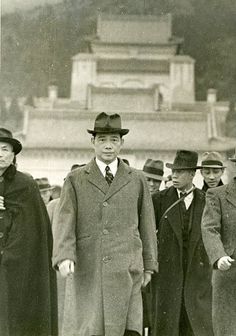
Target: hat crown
{"x": 155, "y": 164}
{"x": 105, "y": 123}
{"x": 211, "y": 156}
{"x": 6, "y": 136}
{"x": 184, "y": 159}
{"x": 4, "y": 133}
{"x": 154, "y": 169}
{"x": 212, "y": 159}
{"x": 43, "y": 183}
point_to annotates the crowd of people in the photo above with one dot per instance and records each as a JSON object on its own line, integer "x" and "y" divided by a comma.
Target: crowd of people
{"x": 113, "y": 253}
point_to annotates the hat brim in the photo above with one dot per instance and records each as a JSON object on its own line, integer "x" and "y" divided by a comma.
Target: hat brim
{"x": 46, "y": 189}
{"x": 172, "y": 166}
{"x": 155, "y": 177}
{"x": 119, "y": 131}
{"x": 232, "y": 159}
{"x": 17, "y": 147}
{"x": 211, "y": 166}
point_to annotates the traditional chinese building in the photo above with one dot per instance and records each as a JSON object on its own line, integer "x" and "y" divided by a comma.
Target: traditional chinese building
{"x": 134, "y": 67}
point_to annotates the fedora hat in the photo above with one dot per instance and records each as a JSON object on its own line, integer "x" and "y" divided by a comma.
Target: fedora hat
{"x": 154, "y": 169}
{"x": 233, "y": 159}
{"x": 105, "y": 123}
{"x": 184, "y": 159}
{"x": 6, "y": 136}
{"x": 43, "y": 184}
{"x": 212, "y": 160}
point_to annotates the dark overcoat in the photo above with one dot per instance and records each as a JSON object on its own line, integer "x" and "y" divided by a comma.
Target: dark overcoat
{"x": 27, "y": 280}
{"x": 219, "y": 237}
{"x": 110, "y": 233}
{"x": 171, "y": 287}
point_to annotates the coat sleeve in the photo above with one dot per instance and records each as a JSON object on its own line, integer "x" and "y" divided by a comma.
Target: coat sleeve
{"x": 156, "y": 199}
{"x": 64, "y": 235}
{"x": 211, "y": 227}
{"x": 147, "y": 229}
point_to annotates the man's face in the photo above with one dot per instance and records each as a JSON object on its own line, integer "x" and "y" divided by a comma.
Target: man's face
{"x": 182, "y": 178}
{"x": 212, "y": 176}
{"x": 6, "y": 155}
{"x": 107, "y": 146}
{"x": 153, "y": 185}
{"x": 46, "y": 195}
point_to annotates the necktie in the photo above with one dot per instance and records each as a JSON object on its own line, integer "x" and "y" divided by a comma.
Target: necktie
{"x": 109, "y": 177}
{"x": 182, "y": 194}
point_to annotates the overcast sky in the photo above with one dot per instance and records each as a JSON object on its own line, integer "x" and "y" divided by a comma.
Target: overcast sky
{"x": 11, "y": 5}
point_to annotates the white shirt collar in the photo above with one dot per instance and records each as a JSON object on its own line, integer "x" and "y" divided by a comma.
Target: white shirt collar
{"x": 102, "y": 166}
{"x": 188, "y": 199}
{"x": 185, "y": 191}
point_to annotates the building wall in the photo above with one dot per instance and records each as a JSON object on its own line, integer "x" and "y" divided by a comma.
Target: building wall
{"x": 135, "y": 80}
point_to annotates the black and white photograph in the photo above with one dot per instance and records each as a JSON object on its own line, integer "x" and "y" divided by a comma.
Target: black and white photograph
{"x": 118, "y": 168}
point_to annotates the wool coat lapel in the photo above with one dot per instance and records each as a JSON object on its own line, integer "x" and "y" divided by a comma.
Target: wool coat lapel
{"x": 231, "y": 193}
{"x": 195, "y": 233}
{"x": 95, "y": 177}
{"x": 122, "y": 177}
{"x": 173, "y": 216}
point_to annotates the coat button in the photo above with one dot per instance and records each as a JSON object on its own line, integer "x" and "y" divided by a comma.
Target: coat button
{"x": 1, "y": 235}
{"x": 201, "y": 263}
{"x": 1, "y": 179}
{"x": 105, "y": 231}
{"x": 106, "y": 259}
{"x": 105, "y": 204}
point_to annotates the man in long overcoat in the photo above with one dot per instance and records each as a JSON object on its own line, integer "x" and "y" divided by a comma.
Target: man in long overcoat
{"x": 106, "y": 228}
{"x": 27, "y": 280}
{"x": 219, "y": 237}
{"x": 183, "y": 284}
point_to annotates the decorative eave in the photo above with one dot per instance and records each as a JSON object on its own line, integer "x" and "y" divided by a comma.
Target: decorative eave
{"x": 182, "y": 59}
{"x": 84, "y": 56}
{"x": 171, "y": 42}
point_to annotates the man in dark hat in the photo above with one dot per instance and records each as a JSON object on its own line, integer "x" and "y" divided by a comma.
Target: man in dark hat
{"x": 219, "y": 237}
{"x": 154, "y": 171}
{"x": 105, "y": 237}
{"x": 45, "y": 189}
{"x": 183, "y": 284}
{"x": 212, "y": 169}
{"x": 27, "y": 280}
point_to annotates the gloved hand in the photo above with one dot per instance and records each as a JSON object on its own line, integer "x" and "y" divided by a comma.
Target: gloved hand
{"x": 66, "y": 268}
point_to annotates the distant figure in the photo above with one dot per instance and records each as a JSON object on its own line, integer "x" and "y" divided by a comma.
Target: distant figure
{"x": 45, "y": 189}
{"x": 212, "y": 169}
{"x": 105, "y": 238}
{"x": 154, "y": 171}
{"x": 56, "y": 191}
{"x": 27, "y": 280}
{"x": 219, "y": 237}
{"x": 168, "y": 182}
